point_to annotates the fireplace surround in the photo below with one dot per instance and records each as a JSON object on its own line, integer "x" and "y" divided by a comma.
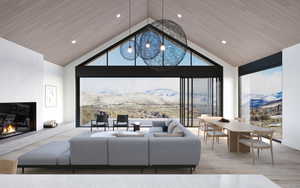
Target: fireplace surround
{"x": 17, "y": 118}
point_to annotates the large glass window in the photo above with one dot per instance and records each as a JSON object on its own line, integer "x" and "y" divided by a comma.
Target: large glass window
{"x": 142, "y": 99}
{"x": 261, "y": 99}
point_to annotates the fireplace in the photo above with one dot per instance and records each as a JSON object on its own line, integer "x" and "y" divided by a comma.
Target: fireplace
{"x": 17, "y": 118}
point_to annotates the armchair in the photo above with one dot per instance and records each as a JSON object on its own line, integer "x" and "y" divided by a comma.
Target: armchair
{"x": 122, "y": 121}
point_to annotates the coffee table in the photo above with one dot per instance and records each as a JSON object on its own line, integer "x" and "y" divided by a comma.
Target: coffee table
{"x": 136, "y": 126}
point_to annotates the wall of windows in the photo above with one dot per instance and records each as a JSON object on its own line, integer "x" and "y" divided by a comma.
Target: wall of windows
{"x": 261, "y": 99}
{"x": 108, "y": 68}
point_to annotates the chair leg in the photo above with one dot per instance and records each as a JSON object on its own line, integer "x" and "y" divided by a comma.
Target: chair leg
{"x": 228, "y": 146}
{"x": 213, "y": 142}
{"x": 218, "y": 139}
{"x": 272, "y": 157}
{"x": 257, "y": 153}
{"x": 253, "y": 155}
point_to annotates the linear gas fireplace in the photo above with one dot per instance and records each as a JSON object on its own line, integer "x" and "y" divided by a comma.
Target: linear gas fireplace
{"x": 17, "y": 118}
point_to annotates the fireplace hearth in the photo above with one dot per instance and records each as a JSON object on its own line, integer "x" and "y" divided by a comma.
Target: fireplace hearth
{"x": 17, "y": 118}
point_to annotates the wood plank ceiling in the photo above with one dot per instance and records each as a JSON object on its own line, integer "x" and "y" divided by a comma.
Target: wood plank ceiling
{"x": 253, "y": 29}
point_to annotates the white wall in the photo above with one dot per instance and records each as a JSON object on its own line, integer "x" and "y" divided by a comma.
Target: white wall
{"x": 291, "y": 96}
{"x": 53, "y": 75}
{"x": 230, "y": 78}
{"x": 230, "y": 83}
{"x": 23, "y": 75}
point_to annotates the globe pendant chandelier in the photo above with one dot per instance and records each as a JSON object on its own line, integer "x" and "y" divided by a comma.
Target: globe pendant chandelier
{"x": 162, "y": 43}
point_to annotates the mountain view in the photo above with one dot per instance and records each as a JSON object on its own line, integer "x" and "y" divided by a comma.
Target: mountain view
{"x": 151, "y": 101}
{"x": 261, "y": 100}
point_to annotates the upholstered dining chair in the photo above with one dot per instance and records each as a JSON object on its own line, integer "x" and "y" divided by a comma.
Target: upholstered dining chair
{"x": 255, "y": 141}
{"x": 8, "y": 166}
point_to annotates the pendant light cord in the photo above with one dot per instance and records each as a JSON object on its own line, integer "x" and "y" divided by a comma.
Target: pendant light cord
{"x": 148, "y": 12}
{"x": 129, "y": 17}
{"x": 162, "y": 13}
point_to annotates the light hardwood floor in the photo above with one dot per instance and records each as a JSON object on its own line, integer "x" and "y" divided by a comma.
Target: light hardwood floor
{"x": 285, "y": 172}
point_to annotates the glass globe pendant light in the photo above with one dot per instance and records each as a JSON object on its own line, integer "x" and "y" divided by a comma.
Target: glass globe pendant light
{"x": 128, "y": 47}
{"x": 162, "y": 46}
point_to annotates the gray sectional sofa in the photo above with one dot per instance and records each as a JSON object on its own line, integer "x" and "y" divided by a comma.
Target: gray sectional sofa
{"x": 148, "y": 150}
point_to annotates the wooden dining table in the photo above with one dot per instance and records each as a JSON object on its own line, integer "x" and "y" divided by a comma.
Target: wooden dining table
{"x": 235, "y": 128}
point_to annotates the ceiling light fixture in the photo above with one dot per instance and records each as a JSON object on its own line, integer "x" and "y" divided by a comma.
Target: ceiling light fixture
{"x": 73, "y": 41}
{"x": 128, "y": 47}
{"x": 118, "y": 15}
{"x": 179, "y": 15}
{"x": 148, "y": 45}
{"x": 224, "y": 41}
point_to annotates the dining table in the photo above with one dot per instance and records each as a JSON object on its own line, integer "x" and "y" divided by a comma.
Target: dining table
{"x": 235, "y": 128}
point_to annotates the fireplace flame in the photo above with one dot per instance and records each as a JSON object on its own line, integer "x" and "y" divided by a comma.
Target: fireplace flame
{"x": 9, "y": 129}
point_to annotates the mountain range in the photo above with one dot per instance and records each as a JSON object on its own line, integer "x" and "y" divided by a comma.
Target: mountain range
{"x": 257, "y": 101}
{"x": 110, "y": 97}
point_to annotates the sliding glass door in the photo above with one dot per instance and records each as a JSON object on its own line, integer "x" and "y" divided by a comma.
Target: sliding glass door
{"x": 199, "y": 96}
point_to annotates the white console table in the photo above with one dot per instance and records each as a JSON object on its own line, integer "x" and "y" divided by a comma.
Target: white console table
{"x": 135, "y": 181}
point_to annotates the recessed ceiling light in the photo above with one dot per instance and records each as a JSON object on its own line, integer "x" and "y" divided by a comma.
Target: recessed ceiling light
{"x": 224, "y": 41}
{"x": 179, "y": 15}
{"x": 118, "y": 15}
{"x": 73, "y": 41}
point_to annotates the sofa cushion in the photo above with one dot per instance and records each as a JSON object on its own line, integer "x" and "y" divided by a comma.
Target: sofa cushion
{"x": 87, "y": 150}
{"x": 155, "y": 129}
{"x": 128, "y": 151}
{"x": 158, "y": 123}
{"x": 54, "y": 153}
{"x": 169, "y": 134}
{"x": 130, "y": 134}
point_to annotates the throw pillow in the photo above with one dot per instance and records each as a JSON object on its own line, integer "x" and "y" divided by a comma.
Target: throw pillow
{"x": 168, "y": 135}
{"x": 172, "y": 126}
{"x": 169, "y": 122}
{"x": 177, "y": 129}
{"x": 164, "y": 128}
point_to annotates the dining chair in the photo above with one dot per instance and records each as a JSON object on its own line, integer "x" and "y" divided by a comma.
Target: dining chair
{"x": 255, "y": 141}
{"x": 8, "y": 166}
{"x": 202, "y": 125}
{"x": 216, "y": 133}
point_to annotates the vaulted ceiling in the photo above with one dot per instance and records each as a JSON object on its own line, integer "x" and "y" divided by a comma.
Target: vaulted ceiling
{"x": 253, "y": 29}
